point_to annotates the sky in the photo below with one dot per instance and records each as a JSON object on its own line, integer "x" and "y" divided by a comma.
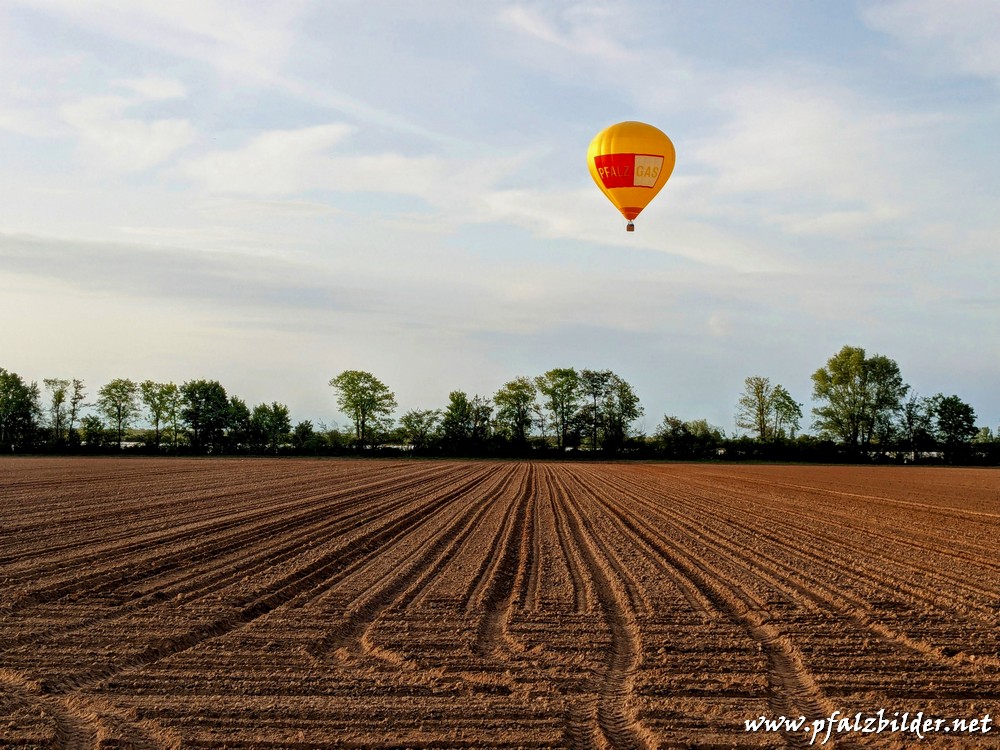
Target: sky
{"x": 267, "y": 194}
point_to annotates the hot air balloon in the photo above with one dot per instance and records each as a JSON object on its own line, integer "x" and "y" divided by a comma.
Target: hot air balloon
{"x": 630, "y": 162}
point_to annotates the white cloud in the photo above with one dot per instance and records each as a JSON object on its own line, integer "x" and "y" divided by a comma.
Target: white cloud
{"x": 532, "y": 23}
{"x": 960, "y": 33}
{"x": 153, "y": 88}
{"x": 790, "y": 138}
{"x": 581, "y": 30}
{"x": 719, "y": 325}
{"x": 29, "y": 85}
{"x": 810, "y": 158}
{"x": 109, "y": 140}
{"x": 835, "y": 223}
{"x": 241, "y": 210}
{"x": 291, "y": 162}
{"x": 25, "y": 121}
{"x": 279, "y": 162}
{"x": 586, "y": 216}
{"x": 235, "y": 37}
{"x": 603, "y": 48}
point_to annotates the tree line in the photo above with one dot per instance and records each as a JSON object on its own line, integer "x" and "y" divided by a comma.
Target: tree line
{"x": 863, "y": 411}
{"x": 866, "y": 410}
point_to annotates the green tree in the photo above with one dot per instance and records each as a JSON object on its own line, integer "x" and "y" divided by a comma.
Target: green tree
{"x": 560, "y": 391}
{"x": 75, "y": 405}
{"x": 673, "y": 437}
{"x": 786, "y": 411}
{"x": 515, "y": 409}
{"x": 156, "y": 397}
{"x": 985, "y": 445}
{"x": 482, "y": 419}
{"x": 302, "y": 433}
{"x": 334, "y": 437}
{"x": 767, "y": 410}
{"x": 419, "y": 427}
{"x": 118, "y": 402}
{"x": 861, "y": 397}
{"x": 887, "y": 391}
{"x": 705, "y": 438}
{"x": 955, "y": 424}
{"x": 366, "y": 400}
{"x": 457, "y": 422}
{"x": 240, "y": 432}
{"x": 466, "y": 423}
{"x": 94, "y": 433}
{"x": 58, "y": 407}
{"x": 621, "y": 409}
{"x": 984, "y": 436}
{"x": 206, "y": 412}
{"x": 755, "y": 407}
{"x": 174, "y": 404}
{"x": 271, "y": 421}
{"x": 916, "y": 422}
{"x": 695, "y": 439}
{"x": 595, "y": 387}
{"x": 305, "y": 438}
{"x": 20, "y": 410}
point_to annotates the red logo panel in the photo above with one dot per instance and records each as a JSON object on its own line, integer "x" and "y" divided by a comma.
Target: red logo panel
{"x": 616, "y": 170}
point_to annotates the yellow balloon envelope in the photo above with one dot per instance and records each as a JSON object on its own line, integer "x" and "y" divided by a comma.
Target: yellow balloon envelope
{"x": 631, "y": 162}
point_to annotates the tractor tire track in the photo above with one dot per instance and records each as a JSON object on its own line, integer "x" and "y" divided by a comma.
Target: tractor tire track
{"x": 583, "y": 594}
{"x": 847, "y": 520}
{"x": 417, "y": 569}
{"x": 480, "y": 581}
{"x": 316, "y": 507}
{"x": 496, "y": 598}
{"x": 286, "y": 538}
{"x": 157, "y": 519}
{"x": 294, "y": 587}
{"x": 606, "y": 720}
{"x": 86, "y": 723}
{"x": 790, "y": 577}
{"x": 792, "y": 689}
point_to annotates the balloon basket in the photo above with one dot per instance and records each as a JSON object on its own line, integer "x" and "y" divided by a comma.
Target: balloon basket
{"x": 630, "y": 227}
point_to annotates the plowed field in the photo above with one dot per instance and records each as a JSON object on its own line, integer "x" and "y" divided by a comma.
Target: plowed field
{"x": 339, "y": 603}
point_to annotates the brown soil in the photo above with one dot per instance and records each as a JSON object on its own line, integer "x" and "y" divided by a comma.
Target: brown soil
{"x": 389, "y": 604}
